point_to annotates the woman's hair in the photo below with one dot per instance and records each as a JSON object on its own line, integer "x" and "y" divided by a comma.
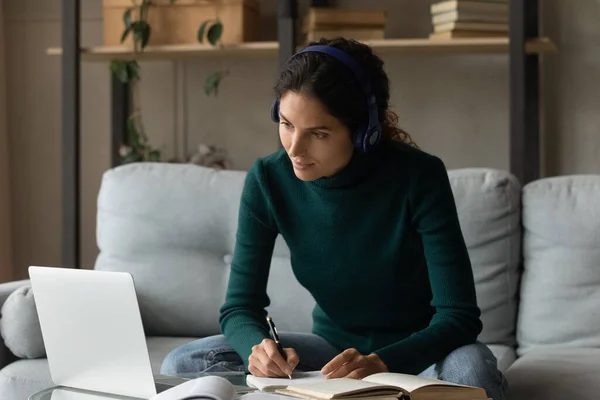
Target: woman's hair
{"x": 333, "y": 84}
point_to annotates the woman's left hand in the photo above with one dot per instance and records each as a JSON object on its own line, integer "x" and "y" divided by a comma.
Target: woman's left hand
{"x": 352, "y": 364}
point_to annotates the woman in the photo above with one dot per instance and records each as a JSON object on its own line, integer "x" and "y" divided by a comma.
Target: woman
{"x": 373, "y": 231}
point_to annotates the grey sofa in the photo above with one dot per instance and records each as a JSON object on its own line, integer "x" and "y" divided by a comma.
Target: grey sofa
{"x": 535, "y": 253}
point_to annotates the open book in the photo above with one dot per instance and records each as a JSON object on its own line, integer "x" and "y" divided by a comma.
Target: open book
{"x": 209, "y": 388}
{"x": 383, "y": 386}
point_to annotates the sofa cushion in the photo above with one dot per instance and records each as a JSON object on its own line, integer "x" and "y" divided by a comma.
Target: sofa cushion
{"x": 6, "y": 289}
{"x": 22, "y": 378}
{"x": 560, "y": 289}
{"x": 505, "y": 355}
{"x": 20, "y": 326}
{"x": 179, "y": 251}
{"x": 170, "y": 226}
{"x": 555, "y": 374}
{"x": 488, "y": 205}
{"x": 291, "y": 304}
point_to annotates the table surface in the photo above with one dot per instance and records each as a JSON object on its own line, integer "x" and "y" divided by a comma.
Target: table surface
{"x": 64, "y": 393}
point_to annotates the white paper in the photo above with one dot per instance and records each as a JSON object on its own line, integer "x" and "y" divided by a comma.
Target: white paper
{"x": 211, "y": 387}
{"x": 298, "y": 378}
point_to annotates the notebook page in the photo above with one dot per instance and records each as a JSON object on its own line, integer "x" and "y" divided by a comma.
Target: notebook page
{"x": 405, "y": 381}
{"x": 335, "y": 387}
{"x": 298, "y": 378}
{"x": 263, "y": 396}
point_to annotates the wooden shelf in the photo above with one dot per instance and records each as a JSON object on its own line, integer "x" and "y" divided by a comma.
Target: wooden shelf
{"x": 386, "y": 46}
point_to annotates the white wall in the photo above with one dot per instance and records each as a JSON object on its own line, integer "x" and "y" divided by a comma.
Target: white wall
{"x": 454, "y": 106}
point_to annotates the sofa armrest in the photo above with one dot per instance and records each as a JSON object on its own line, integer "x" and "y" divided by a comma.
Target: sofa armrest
{"x": 6, "y": 356}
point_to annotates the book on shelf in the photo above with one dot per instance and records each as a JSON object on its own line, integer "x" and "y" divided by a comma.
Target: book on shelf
{"x": 466, "y": 34}
{"x": 480, "y": 6}
{"x": 469, "y": 16}
{"x": 338, "y": 18}
{"x": 382, "y": 386}
{"x": 329, "y": 22}
{"x": 470, "y": 26}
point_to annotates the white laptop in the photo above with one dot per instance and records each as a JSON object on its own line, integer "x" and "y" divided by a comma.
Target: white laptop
{"x": 93, "y": 333}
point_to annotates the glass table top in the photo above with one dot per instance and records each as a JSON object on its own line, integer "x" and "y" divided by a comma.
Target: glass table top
{"x": 238, "y": 379}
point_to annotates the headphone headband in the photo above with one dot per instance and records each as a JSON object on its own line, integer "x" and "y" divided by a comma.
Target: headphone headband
{"x": 368, "y": 135}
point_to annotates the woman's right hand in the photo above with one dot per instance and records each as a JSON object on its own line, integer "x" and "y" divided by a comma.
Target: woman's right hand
{"x": 265, "y": 360}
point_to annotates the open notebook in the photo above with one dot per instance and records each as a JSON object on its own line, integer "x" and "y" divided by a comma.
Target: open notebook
{"x": 272, "y": 384}
{"x": 382, "y": 386}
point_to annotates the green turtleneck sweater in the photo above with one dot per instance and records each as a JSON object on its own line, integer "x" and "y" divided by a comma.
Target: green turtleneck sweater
{"x": 379, "y": 247}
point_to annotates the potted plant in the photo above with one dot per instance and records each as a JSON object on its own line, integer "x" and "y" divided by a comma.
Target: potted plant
{"x": 136, "y": 27}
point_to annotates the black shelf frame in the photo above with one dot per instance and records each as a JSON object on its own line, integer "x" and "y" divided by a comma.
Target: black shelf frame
{"x": 523, "y": 97}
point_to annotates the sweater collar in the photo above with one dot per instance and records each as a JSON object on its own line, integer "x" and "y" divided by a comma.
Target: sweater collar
{"x": 358, "y": 169}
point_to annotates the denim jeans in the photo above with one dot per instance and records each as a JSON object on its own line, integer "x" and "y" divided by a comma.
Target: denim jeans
{"x": 473, "y": 365}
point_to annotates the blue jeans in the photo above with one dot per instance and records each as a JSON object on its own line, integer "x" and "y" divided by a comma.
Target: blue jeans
{"x": 473, "y": 365}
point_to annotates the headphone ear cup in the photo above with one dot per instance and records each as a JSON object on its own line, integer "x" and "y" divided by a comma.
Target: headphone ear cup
{"x": 275, "y": 111}
{"x": 359, "y": 137}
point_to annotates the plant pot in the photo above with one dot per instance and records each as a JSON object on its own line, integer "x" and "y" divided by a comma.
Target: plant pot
{"x": 178, "y": 23}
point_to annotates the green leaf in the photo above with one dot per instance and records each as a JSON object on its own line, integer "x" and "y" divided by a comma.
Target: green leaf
{"x": 127, "y": 17}
{"x": 133, "y": 136}
{"x": 133, "y": 70}
{"x": 172, "y": 1}
{"x": 119, "y": 69}
{"x": 146, "y": 34}
{"x": 125, "y": 34}
{"x": 212, "y": 81}
{"x": 201, "y": 31}
{"x": 154, "y": 155}
{"x": 141, "y": 32}
{"x": 125, "y": 71}
{"x": 215, "y": 32}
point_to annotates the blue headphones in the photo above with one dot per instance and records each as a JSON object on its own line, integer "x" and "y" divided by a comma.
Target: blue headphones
{"x": 367, "y": 135}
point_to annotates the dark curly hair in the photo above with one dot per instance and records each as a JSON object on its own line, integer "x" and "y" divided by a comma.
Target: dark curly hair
{"x": 327, "y": 79}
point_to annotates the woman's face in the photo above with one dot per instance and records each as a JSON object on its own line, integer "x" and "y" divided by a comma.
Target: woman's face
{"x": 317, "y": 143}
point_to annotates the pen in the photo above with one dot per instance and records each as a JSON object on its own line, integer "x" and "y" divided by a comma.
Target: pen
{"x": 275, "y": 337}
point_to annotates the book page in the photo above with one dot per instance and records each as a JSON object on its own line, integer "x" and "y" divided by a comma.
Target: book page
{"x": 210, "y": 387}
{"x": 270, "y": 384}
{"x": 263, "y": 396}
{"x": 361, "y": 396}
{"x": 408, "y": 382}
{"x": 342, "y": 387}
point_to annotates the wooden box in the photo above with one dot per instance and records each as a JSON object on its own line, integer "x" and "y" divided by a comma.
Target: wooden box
{"x": 178, "y": 23}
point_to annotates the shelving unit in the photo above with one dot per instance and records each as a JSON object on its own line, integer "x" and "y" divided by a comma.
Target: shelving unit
{"x": 523, "y": 47}
{"x": 266, "y": 49}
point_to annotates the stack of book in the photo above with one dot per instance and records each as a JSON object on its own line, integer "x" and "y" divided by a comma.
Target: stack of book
{"x": 469, "y": 18}
{"x": 325, "y": 22}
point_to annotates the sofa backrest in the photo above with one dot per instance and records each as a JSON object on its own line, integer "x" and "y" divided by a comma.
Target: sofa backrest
{"x": 560, "y": 288}
{"x": 489, "y": 209}
{"x": 173, "y": 227}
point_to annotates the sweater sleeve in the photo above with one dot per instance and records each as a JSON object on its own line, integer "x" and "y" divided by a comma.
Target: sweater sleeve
{"x": 242, "y": 316}
{"x": 456, "y": 320}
